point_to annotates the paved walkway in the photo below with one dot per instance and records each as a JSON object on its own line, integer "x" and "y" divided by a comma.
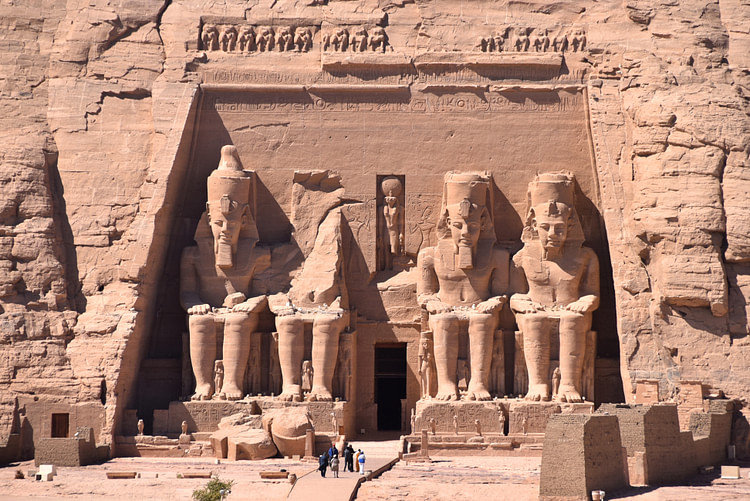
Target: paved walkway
{"x": 313, "y": 486}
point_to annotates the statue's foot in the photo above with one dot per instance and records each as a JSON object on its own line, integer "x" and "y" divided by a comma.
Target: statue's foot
{"x": 538, "y": 392}
{"x": 290, "y": 393}
{"x": 447, "y": 395}
{"x": 568, "y": 393}
{"x": 478, "y": 392}
{"x": 203, "y": 392}
{"x": 232, "y": 393}
{"x": 320, "y": 395}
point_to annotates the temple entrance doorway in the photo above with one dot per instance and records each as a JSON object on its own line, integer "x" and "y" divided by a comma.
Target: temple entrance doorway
{"x": 390, "y": 384}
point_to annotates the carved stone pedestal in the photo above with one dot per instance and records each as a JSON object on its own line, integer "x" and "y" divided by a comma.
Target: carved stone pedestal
{"x": 203, "y": 416}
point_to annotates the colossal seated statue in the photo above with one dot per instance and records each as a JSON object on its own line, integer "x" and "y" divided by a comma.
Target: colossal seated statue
{"x": 462, "y": 281}
{"x": 558, "y": 280}
{"x": 216, "y": 276}
{"x": 317, "y": 296}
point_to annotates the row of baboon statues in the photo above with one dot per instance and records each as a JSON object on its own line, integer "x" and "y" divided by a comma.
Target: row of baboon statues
{"x": 532, "y": 40}
{"x": 230, "y": 38}
{"x": 551, "y": 285}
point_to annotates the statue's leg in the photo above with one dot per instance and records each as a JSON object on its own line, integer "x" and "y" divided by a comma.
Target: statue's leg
{"x": 291, "y": 331}
{"x": 325, "y": 350}
{"x": 238, "y": 328}
{"x": 481, "y": 335}
{"x": 535, "y": 328}
{"x": 445, "y": 334}
{"x": 573, "y": 328}
{"x": 202, "y": 354}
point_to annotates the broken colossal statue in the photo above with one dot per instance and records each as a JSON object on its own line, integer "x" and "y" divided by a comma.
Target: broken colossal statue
{"x": 317, "y": 296}
{"x": 216, "y": 277}
{"x": 558, "y": 283}
{"x": 462, "y": 282}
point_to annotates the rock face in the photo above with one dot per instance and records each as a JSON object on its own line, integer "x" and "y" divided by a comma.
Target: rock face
{"x": 113, "y": 113}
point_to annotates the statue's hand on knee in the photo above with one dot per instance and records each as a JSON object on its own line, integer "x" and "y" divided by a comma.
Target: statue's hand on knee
{"x": 199, "y": 309}
{"x": 491, "y": 304}
{"x": 435, "y": 306}
{"x": 583, "y": 305}
{"x": 251, "y": 305}
{"x": 521, "y": 303}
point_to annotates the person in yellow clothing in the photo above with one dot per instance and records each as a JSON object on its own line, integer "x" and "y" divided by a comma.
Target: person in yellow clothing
{"x": 356, "y": 459}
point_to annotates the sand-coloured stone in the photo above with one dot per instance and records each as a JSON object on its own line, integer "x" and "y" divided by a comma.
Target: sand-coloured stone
{"x": 115, "y": 113}
{"x": 462, "y": 283}
{"x": 558, "y": 288}
{"x": 216, "y": 278}
{"x": 581, "y": 453}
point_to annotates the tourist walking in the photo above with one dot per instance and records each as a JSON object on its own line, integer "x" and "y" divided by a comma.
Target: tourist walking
{"x": 333, "y": 451}
{"x": 323, "y": 465}
{"x": 335, "y": 466}
{"x": 356, "y": 459}
{"x": 349, "y": 458}
{"x": 361, "y": 460}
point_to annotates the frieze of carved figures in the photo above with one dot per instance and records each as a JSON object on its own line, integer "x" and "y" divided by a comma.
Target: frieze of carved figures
{"x": 533, "y": 40}
{"x": 356, "y": 40}
{"x": 251, "y": 38}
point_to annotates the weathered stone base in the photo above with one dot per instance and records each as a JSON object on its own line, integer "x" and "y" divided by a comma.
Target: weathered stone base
{"x": 581, "y": 453}
{"x": 488, "y": 413}
{"x": 204, "y": 416}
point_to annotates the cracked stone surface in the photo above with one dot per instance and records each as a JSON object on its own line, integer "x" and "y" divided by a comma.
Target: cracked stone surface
{"x": 98, "y": 102}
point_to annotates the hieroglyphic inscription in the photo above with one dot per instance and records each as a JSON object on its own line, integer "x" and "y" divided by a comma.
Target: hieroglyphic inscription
{"x": 362, "y": 224}
{"x": 421, "y": 219}
{"x": 394, "y": 102}
{"x": 350, "y": 76}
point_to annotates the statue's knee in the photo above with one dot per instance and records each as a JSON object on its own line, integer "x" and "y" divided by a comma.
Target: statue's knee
{"x": 482, "y": 321}
{"x": 328, "y": 324}
{"x": 444, "y": 322}
{"x": 289, "y": 323}
{"x": 201, "y": 322}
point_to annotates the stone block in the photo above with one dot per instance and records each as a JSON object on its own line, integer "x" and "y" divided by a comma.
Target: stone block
{"x": 581, "y": 453}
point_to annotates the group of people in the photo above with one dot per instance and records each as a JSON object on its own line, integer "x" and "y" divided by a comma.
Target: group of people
{"x": 353, "y": 461}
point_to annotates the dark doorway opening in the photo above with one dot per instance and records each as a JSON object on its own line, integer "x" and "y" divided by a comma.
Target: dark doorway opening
{"x": 390, "y": 384}
{"x": 60, "y": 425}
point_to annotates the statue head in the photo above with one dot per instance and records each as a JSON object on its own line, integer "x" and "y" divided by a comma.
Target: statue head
{"x": 465, "y": 218}
{"x": 551, "y": 222}
{"x": 551, "y": 217}
{"x": 228, "y": 211}
{"x": 391, "y": 188}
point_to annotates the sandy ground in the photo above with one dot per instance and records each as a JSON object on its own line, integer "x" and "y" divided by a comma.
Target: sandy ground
{"x": 158, "y": 480}
{"x": 447, "y": 478}
{"x": 517, "y": 478}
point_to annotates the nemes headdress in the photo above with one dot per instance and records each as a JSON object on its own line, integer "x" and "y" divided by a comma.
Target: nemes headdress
{"x": 553, "y": 194}
{"x": 467, "y": 192}
{"x": 231, "y": 188}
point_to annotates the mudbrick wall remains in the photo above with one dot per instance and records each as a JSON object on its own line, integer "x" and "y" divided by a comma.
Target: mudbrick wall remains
{"x": 97, "y": 103}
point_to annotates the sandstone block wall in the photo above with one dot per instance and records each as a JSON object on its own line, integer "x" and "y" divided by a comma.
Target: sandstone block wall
{"x": 581, "y": 453}
{"x": 98, "y": 110}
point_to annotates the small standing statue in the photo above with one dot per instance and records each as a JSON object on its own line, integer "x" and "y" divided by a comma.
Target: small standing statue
{"x": 433, "y": 425}
{"x": 140, "y": 427}
{"x": 525, "y": 425}
{"x": 555, "y": 382}
{"x": 392, "y": 214}
{"x": 219, "y": 379}
{"x": 307, "y": 375}
{"x": 463, "y": 375}
{"x": 455, "y": 424}
{"x": 413, "y": 419}
{"x": 478, "y": 426}
{"x": 425, "y": 367}
{"x": 184, "y": 427}
{"x": 501, "y": 418}
{"x": 335, "y": 422}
